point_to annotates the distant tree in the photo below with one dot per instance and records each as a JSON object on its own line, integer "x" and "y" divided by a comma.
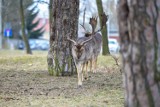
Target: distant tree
{"x": 111, "y": 9}
{"x": 11, "y": 17}
{"x": 1, "y": 24}
{"x": 10, "y": 14}
{"x": 105, "y": 48}
{"x": 50, "y": 13}
{"x": 64, "y": 24}
{"x": 32, "y": 23}
{"x": 25, "y": 38}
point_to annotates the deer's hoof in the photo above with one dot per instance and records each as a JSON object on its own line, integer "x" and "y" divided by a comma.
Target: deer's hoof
{"x": 86, "y": 78}
{"x": 79, "y": 86}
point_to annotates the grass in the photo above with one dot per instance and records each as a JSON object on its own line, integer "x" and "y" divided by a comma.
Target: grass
{"x": 20, "y": 60}
{"x": 25, "y": 82}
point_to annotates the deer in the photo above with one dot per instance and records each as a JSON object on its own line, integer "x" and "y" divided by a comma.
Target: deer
{"x": 86, "y": 49}
{"x": 97, "y": 38}
{"x": 82, "y": 52}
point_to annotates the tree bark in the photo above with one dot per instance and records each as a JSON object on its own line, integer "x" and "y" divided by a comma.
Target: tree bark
{"x": 25, "y": 38}
{"x": 64, "y": 23}
{"x": 1, "y": 24}
{"x": 105, "y": 48}
{"x": 50, "y": 14}
{"x": 139, "y": 24}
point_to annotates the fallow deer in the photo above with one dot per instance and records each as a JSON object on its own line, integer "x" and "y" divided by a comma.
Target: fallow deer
{"x": 82, "y": 52}
{"x": 87, "y": 49}
{"x": 97, "y": 39}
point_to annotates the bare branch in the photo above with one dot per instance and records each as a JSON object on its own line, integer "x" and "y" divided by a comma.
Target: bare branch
{"x": 84, "y": 20}
{"x": 41, "y": 2}
{"x": 116, "y": 58}
{"x": 84, "y": 16}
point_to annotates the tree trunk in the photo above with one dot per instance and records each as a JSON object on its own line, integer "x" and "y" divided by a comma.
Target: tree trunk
{"x": 25, "y": 38}
{"x": 105, "y": 48}
{"x": 64, "y": 23}
{"x": 139, "y": 24}
{"x": 1, "y": 24}
{"x": 50, "y": 14}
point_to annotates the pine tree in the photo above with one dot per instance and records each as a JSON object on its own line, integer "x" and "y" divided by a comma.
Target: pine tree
{"x": 31, "y": 24}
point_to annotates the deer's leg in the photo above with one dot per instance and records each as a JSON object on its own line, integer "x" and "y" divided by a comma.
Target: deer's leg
{"x": 83, "y": 72}
{"x": 79, "y": 73}
{"x": 91, "y": 61}
{"x": 95, "y": 65}
{"x": 86, "y": 71}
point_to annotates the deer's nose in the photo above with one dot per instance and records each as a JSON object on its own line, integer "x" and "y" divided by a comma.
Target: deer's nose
{"x": 78, "y": 56}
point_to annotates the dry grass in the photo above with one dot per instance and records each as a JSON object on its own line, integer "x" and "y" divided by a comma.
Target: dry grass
{"x": 25, "y": 82}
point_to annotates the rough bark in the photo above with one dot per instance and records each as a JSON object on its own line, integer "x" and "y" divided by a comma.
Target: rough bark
{"x": 105, "y": 48}
{"x": 139, "y": 24}
{"x": 50, "y": 13}
{"x": 64, "y": 23}
{"x": 25, "y": 38}
{"x": 0, "y": 24}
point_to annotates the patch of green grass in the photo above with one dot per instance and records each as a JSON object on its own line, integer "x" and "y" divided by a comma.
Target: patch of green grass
{"x": 21, "y": 60}
{"x": 107, "y": 61}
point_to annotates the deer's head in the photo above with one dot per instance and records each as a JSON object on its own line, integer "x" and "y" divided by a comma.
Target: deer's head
{"x": 78, "y": 48}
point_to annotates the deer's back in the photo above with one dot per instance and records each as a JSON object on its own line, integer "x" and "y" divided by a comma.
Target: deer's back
{"x": 97, "y": 38}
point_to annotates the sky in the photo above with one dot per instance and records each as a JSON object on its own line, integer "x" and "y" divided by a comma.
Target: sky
{"x": 43, "y": 9}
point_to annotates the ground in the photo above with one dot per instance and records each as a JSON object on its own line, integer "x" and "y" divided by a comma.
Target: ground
{"x": 25, "y": 82}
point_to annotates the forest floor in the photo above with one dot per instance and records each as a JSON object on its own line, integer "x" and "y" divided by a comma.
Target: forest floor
{"x": 25, "y": 82}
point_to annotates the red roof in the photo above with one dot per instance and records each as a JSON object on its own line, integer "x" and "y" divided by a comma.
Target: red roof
{"x": 43, "y": 22}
